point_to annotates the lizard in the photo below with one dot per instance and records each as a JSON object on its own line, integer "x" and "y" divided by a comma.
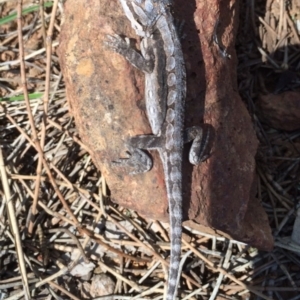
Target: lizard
{"x": 161, "y": 60}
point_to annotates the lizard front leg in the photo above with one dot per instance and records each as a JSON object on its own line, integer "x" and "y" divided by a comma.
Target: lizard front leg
{"x": 144, "y": 62}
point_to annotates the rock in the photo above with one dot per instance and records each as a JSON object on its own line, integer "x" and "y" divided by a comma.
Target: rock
{"x": 280, "y": 111}
{"x": 102, "y": 285}
{"x": 105, "y": 95}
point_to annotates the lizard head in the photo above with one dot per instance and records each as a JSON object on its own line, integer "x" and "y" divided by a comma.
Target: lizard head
{"x": 142, "y": 13}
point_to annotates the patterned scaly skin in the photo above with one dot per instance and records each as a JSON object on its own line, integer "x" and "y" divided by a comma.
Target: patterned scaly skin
{"x": 161, "y": 59}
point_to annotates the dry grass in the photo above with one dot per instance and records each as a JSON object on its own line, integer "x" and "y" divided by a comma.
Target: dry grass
{"x": 56, "y": 221}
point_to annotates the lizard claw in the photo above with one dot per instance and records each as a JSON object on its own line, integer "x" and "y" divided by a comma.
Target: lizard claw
{"x": 137, "y": 162}
{"x": 115, "y": 43}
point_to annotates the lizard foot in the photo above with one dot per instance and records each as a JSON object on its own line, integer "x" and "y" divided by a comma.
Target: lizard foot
{"x": 116, "y": 43}
{"x": 202, "y": 137}
{"x": 137, "y": 162}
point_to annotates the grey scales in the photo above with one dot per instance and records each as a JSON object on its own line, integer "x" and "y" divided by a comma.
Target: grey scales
{"x": 161, "y": 60}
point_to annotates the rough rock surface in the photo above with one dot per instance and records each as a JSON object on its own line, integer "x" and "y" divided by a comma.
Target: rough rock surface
{"x": 281, "y": 111}
{"x": 105, "y": 95}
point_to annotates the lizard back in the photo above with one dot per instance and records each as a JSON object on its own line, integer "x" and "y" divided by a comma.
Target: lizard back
{"x": 165, "y": 91}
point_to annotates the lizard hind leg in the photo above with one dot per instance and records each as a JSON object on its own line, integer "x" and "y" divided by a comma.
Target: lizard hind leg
{"x": 202, "y": 136}
{"x": 138, "y": 160}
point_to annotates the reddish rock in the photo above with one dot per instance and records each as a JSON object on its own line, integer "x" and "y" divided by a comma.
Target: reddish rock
{"x": 281, "y": 111}
{"x": 105, "y": 94}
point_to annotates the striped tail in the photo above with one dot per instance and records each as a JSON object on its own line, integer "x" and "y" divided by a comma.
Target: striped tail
{"x": 175, "y": 212}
